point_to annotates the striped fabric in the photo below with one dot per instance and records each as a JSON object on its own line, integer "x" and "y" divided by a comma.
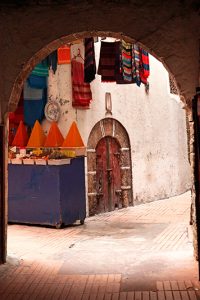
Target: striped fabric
{"x": 144, "y": 66}
{"x": 81, "y": 91}
{"x": 89, "y": 63}
{"x": 127, "y": 61}
{"x": 34, "y": 103}
{"x": 107, "y": 61}
{"x": 41, "y": 69}
{"x": 136, "y": 64}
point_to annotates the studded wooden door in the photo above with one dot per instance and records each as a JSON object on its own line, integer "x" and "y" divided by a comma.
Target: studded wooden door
{"x": 108, "y": 180}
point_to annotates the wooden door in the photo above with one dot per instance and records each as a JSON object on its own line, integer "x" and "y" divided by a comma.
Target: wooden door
{"x": 108, "y": 182}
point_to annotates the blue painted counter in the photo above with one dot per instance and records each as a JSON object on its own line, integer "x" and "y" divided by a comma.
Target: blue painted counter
{"x": 47, "y": 195}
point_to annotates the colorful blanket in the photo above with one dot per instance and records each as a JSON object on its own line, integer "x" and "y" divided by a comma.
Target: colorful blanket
{"x": 127, "y": 61}
{"x": 34, "y": 103}
{"x": 37, "y": 82}
{"x": 89, "y": 63}
{"x": 81, "y": 92}
{"x": 107, "y": 61}
{"x": 136, "y": 64}
{"x": 41, "y": 69}
{"x": 144, "y": 66}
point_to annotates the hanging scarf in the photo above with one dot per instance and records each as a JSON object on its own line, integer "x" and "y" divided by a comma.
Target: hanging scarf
{"x": 118, "y": 65}
{"x": 136, "y": 64}
{"x": 41, "y": 69}
{"x": 107, "y": 61}
{"x": 144, "y": 66}
{"x": 37, "y": 82}
{"x": 52, "y": 61}
{"x": 127, "y": 61}
{"x": 89, "y": 63}
{"x": 81, "y": 92}
{"x": 34, "y": 103}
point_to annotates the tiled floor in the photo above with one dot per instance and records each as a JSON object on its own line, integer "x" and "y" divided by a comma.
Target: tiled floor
{"x": 139, "y": 253}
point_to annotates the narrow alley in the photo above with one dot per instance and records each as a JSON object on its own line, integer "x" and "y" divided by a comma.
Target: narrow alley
{"x": 143, "y": 252}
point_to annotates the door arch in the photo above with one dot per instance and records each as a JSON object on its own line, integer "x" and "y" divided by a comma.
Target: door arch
{"x": 109, "y": 149}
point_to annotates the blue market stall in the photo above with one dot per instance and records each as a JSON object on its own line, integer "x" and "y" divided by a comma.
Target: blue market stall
{"x": 47, "y": 194}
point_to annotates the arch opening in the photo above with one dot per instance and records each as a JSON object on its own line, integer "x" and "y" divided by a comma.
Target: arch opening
{"x": 113, "y": 128}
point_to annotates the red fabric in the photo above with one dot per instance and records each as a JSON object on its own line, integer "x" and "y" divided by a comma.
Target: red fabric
{"x": 64, "y": 55}
{"x": 144, "y": 68}
{"x": 14, "y": 120}
{"x": 81, "y": 91}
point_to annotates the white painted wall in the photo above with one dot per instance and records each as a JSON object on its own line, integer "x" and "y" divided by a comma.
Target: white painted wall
{"x": 155, "y": 124}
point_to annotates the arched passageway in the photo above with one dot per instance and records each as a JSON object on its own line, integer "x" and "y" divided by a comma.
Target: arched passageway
{"x": 158, "y": 37}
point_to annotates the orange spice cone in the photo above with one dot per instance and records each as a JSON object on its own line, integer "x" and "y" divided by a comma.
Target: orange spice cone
{"x": 54, "y": 137}
{"x": 21, "y": 137}
{"x": 73, "y": 138}
{"x": 37, "y": 137}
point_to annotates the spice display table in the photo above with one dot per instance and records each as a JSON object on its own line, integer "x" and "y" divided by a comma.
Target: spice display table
{"x": 47, "y": 195}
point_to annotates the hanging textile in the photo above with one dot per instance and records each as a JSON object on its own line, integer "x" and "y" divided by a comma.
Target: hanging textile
{"x": 34, "y": 103}
{"x": 64, "y": 56}
{"x": 136, "y": 64}
{"x": 144, "y": 66}
{"x": 52, "y": 61}
{"x": 81, "y": 92}
{"x": 15, "y": 118}
{"x": 118, "y": 65}
{"x": 41, "y": 69}
{"x": 127, "y": 61}
{"x": 37, "y": 82}
{"x": 89, "y": 63}
{"x": 107, "y": 61}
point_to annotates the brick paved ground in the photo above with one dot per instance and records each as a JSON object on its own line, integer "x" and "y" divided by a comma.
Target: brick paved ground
{"x": 139, "y": 253}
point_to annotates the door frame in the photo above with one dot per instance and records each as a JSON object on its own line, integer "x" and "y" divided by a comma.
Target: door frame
{"x": 109, "y": 127}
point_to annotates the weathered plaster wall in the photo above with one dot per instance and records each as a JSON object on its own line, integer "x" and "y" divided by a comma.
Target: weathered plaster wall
{"x": 156, "y": 125}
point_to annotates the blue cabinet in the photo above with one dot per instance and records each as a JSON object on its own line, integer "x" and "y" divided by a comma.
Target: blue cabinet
{"x": 47, "y": 195}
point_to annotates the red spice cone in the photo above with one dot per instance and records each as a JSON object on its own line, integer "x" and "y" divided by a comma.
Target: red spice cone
{"x": 21, "y": 137}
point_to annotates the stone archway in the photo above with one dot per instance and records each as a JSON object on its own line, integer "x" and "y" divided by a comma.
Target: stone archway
{"x": 163, "y": 30}
{"x": 113, "y": 128}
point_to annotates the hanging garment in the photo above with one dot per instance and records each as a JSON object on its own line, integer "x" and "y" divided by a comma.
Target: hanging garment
{"x": 118, "y": 65}
{"x": 34, "y": 103}
{"x": 127, "y": 61}
{"x": 52, "y": 61}
{"x": 64, "y": 56}
{"x": 136, "y": 64}
{"x": 41, "y": 69}
{"x": 107, "y": 61}
{"x": 81, "y": 92}
{"x": 15, "y": 118}
{"x": 144, "y": 66}
{"x": 37, "y": 82}
{"x": 89, "y": 63}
